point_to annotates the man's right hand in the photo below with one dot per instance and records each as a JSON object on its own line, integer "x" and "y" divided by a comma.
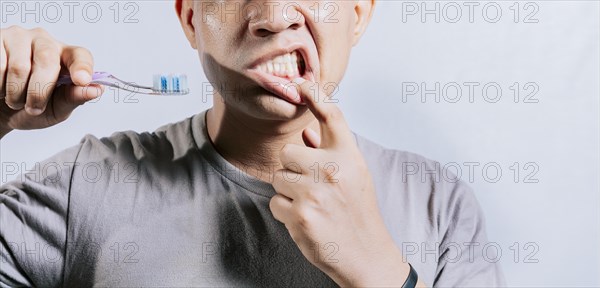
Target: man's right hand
{"x": 30, "y": 64}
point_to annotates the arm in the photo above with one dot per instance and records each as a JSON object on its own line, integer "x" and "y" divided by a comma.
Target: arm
{"x": 33, "y": 208}
{"x": 465, "y": 264}
{"x": 33, "y": 224}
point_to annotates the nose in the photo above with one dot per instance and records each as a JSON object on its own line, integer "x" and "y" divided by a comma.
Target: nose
{"x": 272, "y": 17}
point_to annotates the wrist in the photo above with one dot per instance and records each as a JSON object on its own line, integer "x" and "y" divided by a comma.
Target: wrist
{"x": 389, "y": 270}
{"x": 385, "y": 267}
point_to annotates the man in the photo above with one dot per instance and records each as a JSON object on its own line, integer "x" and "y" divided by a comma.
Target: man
{"x": 269, "y": 187}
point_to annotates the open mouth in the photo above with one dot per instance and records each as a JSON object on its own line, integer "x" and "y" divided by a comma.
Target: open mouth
{"x": 276, "y": 72}
{"x": 290, "y": 65}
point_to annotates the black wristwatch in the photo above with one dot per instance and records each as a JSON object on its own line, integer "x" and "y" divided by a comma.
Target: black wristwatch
{"x": 412, "y": 279}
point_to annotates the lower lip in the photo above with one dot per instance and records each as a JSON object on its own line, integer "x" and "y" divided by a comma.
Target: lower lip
{"x": 281, "y": 87}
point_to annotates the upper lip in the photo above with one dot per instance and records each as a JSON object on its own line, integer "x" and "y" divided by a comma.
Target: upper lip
{"x": 301, "y": 48}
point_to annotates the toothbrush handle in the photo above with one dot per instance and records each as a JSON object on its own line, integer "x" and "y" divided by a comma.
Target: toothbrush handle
{"x": 66, "y": 79}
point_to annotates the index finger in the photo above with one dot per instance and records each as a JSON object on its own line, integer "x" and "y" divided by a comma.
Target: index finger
{"x": 334, "y": 129}
{"x": 80, "y": 64}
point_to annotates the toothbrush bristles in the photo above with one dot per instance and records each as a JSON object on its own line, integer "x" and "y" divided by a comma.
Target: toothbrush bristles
{"x": 170, "y": 84}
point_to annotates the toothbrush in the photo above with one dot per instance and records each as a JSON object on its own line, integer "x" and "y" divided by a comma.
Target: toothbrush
{"x": 163, "y": 84}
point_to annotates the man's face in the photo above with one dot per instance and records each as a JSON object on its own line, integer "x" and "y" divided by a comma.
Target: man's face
{"x": 250, "y": 50}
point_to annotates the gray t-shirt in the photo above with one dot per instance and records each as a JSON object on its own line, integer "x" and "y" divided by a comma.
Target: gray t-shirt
{"x": 165, "y": 209}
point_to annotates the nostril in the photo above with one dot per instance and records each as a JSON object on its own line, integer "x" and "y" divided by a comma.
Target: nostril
{"x": 262, "y": 32}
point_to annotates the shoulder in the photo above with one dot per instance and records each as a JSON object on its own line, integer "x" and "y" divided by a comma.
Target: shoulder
{"x": 169, "y": 141}
{"x": 383, "y": 156}
{"x": 422, "y": 184}
{"x": 407, "y": 167}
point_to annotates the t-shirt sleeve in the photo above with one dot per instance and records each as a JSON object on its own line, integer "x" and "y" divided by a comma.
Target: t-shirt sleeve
{"x": 467, "y": 258}
{"x": 33, "y": 223}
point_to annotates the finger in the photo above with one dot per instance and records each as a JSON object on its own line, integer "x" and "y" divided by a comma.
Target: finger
{"x": 80, "y": 63}
{"x": 281, "y": 208}
{"x": 18, "y": 53}
{"x": 67, "y": 97}
{"x": 44, "y": 72}
{"x": 286, "y": 182}
{"x": 79, "y": 95}
{"x": 334, "y": 130}
{"x": 297, "y": 158}
{"x": 311, "y": 138}
{"x": 3, "y": 66}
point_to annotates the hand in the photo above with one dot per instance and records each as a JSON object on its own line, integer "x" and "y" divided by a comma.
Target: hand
{"x": 30, "y": 63}
{"x": 327, "y": 201}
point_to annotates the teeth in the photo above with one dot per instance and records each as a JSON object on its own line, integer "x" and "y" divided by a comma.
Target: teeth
{"x": 283, "y": 65}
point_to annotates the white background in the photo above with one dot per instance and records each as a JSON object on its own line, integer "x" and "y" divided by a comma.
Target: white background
{"x": 558, "y": 136}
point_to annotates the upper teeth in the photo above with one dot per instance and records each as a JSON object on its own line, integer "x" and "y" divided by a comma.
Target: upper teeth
{"x": 283, "y": 65}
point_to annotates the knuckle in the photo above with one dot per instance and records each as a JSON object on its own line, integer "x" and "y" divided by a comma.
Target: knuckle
{"x": 315, "y": 198}
{"x": 331, "y": 170}
{"x": 46, "y": 55}
{"x": 304, "y": 218}
{"x": 39, "y": 30}
{"x": 14, "y": 28}
{"x": 83, "y": 58}
{"x": 272, "y": 202}
{"x": 12, "y": 89}
{"x": 19, "y": 69}
{"x": 275, "y": 200}
{"x": 82, "y": 50}
{"x": 333, "y": 114}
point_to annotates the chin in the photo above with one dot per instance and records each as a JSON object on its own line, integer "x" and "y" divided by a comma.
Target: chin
{"x": 270, "y": 107}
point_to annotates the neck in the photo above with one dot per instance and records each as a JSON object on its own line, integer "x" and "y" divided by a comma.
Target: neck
{"x": 253, "y": 145}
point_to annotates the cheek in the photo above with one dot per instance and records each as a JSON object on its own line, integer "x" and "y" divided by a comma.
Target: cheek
{"x": 211, "y": 31}
{"x": 218, "y": 39}
{"x": 336, "y": 41}
{"x": 336, "y": 52}
{"x": 206, "y": 33}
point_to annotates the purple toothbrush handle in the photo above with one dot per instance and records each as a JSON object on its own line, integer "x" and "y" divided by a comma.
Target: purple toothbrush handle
{"x": 66, "y": 79}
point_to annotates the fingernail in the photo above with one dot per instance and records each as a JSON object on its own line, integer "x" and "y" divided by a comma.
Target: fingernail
{"x": 299, "y": 80}
{"x": 15, "y": 106}
{"x": 83, "y": 76}
{"x": 33, "y": 111}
